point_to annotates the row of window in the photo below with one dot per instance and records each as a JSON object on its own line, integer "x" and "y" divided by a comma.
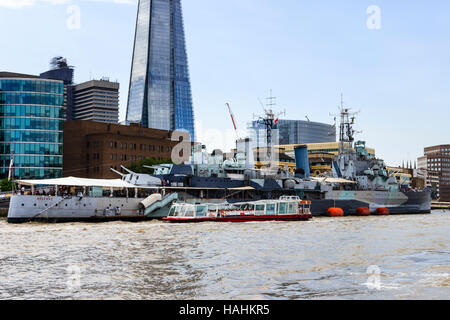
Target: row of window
{"x": 31, "y": 136}
{"x": 439, "y": 160}
{"x": 32, "y": 161}
{"x": 31, "y": 98}
{"x": 142, "y": 147}
{"x": 31, "y": 123}
{"x": 32, "y": 111}
{"x": 31, "y": 173}
{"x": 31, "y": 148}
{"x": 32, "y": 86}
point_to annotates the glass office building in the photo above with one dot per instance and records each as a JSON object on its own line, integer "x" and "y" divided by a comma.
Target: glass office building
{"x": 160, "y": 90}
{"x": 31, "y": 126}
{"x": 292, "y": 132}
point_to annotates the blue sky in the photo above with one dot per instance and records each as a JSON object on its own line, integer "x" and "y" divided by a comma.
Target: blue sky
{"x": 307, "y": 52}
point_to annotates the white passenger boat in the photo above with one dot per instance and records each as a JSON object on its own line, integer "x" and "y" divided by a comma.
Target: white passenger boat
{"x": 289, "y": 208}
{"x": 79, "y": 199}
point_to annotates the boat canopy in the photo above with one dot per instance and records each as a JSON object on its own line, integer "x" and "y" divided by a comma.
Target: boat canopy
{"x": 78, "y": 182}
{"x": 333, "y": 180}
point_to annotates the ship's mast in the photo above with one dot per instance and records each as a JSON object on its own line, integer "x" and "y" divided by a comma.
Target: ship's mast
{"x": 346, "y": 131}
{"x": 269, "y": 120}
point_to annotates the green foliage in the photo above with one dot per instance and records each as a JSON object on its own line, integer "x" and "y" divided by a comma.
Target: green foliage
{"x": 6, "y": 185}
{"x": 138, "y": 167}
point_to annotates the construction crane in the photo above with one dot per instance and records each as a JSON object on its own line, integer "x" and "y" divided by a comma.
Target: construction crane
{"x": 233, "y": 120}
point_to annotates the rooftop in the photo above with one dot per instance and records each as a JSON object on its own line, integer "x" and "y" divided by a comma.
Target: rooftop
{"x": 5, "y": 74}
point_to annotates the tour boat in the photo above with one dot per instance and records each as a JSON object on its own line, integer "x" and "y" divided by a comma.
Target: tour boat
{"x": 287, "y": 208}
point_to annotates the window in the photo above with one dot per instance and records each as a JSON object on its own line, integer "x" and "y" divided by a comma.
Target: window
{"x": 270, "y": 209}
{"x": 201, "y": 211}
{"x": 259, "y": 209}
{"x": 283, "y": 208}
{"x": 292, "y": 208}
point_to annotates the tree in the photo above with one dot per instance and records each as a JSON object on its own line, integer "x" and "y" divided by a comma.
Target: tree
{"x": 6, "y": 185}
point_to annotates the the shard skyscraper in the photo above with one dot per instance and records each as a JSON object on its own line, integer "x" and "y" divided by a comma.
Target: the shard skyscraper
{"x": 160, "y": 90}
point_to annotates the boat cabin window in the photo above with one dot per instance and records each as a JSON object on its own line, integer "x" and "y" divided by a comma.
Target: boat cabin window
{"x": 201, "y": 211}
{"x": 271, "y": 208}
{"x": 248, "y": 207}
{"x": 259, "y": 209}
{"x": 172, "y": 211}
{"x": 189, "y": 211}
{"x": 177, "y": 212}
{"x": 283, "y": 208}
{"x": 292, "y": 207}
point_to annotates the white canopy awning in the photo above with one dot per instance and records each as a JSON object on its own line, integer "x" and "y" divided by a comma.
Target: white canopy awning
{"x": 332, "y": 180}
{"x": 78, "y": 182}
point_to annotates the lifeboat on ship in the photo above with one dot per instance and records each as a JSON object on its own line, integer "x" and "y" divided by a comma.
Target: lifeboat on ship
{"x": 284, "y": 209}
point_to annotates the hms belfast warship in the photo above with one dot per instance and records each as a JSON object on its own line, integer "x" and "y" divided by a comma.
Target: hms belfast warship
{"x": 357, "y": 180}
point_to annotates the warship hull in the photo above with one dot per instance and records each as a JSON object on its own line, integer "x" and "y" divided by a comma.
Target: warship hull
{"x": 412, "y": 202}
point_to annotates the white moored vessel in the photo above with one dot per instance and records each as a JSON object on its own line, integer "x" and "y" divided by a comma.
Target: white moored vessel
{"x": 79, "y": 199}
{"x": 287, "y": 208}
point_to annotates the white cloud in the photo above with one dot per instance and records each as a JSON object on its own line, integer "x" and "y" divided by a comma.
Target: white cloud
{"x": 17, "y": 4}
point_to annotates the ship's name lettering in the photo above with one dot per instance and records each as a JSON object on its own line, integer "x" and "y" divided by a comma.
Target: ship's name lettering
{"x": 44, "y": 199}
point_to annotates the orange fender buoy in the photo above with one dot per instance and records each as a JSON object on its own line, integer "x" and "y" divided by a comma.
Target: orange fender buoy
{"x": 363, "y": 212}
{"x": 382, "y": 212}
{"x": 335, "y": 212}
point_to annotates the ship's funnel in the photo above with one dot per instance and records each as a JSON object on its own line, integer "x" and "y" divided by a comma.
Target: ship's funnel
{"x": 302, "y": 162}
{"x": 244, "y": 148}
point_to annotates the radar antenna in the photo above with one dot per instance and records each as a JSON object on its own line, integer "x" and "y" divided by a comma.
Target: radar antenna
{"x": 346, "y": 131}
{"x": 269, "y": 120}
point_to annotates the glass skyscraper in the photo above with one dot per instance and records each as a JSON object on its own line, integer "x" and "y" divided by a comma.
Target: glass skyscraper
{"x": 160, "y": 90}
{"x": 292, "y": 132}
{"x": 31, "y": 126}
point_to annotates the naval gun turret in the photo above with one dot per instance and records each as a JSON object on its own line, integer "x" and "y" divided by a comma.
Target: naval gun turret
{"x": 138, "y": 179}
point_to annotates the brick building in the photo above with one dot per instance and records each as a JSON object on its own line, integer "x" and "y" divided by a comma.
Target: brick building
{"x": 92, "y": 148}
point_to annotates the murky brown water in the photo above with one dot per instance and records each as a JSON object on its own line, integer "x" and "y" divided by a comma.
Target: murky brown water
{"x": 321, "y": 259}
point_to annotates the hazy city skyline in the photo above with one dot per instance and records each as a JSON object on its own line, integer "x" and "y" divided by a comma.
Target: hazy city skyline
{"x": 392, "y": 64}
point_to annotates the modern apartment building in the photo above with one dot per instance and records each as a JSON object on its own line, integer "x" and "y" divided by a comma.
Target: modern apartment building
{"x": 31, "y": 126}
{"x": 96, "y": 100}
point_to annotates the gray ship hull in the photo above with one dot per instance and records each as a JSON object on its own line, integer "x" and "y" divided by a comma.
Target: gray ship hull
{"x": 412, "y": 202}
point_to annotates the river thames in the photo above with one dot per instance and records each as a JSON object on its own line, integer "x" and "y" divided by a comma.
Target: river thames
{"x": 394, "y": 257}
